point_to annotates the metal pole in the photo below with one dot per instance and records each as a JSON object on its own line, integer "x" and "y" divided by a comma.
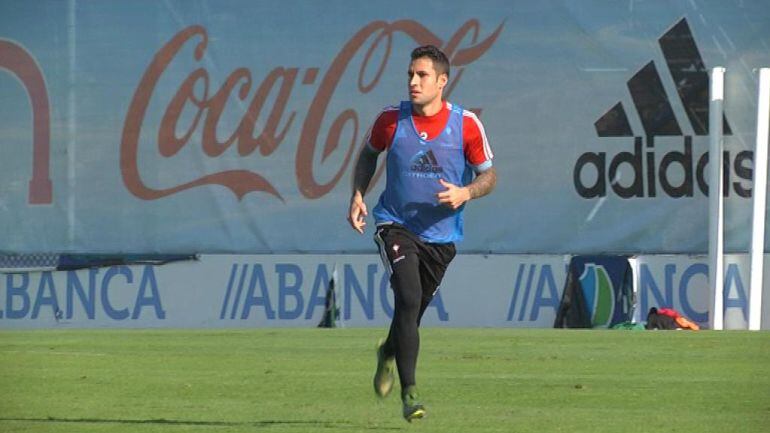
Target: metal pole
{"x": 716, "y": 200}
{"x": 760, "y": 198}
{"x": 72, "y": 122}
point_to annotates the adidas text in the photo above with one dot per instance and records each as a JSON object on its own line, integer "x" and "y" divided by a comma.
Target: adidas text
{"x": 675, "y": 173}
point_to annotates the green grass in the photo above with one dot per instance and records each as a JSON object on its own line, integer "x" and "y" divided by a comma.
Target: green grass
{"x": 313, "y": 380}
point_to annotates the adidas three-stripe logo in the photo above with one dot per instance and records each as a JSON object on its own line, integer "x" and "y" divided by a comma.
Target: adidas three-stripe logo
{"x": 674, "y": 173}
{"x": 425, "y": 162}
{"x": 691, "y": 78}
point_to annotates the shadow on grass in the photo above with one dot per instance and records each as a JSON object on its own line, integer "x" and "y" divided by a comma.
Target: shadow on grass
{"x": 161, "y": 421}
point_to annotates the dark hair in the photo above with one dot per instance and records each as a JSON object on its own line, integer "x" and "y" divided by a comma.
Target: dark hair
{"x": 440, "y": 61}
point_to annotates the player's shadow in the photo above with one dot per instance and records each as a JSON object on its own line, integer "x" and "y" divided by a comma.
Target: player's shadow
{"x": 162, "y": 421}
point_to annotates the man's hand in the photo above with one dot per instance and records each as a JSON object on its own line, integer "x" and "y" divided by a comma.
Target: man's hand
{"x": 454, "y": 196}
{"x": 358, "y": 213}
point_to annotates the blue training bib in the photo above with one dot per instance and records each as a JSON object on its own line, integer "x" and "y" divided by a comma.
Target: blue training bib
{"x": 414, "y": 167}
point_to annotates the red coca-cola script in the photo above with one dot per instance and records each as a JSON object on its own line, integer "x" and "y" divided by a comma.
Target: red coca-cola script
{"x": 208, "y": 108}
{"x": 20, "y": 62}
{"x": 276, "y": 87}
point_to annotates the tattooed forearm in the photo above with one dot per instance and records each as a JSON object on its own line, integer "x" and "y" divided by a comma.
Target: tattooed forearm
{"x": 483, "y": 184}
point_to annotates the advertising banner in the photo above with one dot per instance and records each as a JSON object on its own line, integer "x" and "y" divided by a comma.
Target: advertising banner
{"x": 240, "y": 291}
{"x": 681, "y": 283}
{"x": 232, "y": 127}
{"x": 278, "y": 291}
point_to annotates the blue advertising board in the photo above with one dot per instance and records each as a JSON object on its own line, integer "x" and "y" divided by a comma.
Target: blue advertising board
{"x": 232, "y": 126}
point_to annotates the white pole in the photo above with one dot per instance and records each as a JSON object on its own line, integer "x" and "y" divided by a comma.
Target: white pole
{"x": 71, "y": 122}
{"x": 716, "y": 200}
{"x": 760, "y": 198}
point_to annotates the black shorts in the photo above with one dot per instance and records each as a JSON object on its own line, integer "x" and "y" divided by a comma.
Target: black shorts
{"x": 394, "y": 242}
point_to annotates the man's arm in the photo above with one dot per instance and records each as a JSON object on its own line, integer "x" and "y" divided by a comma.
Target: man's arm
{"x": 454, "y": 196}
{"x": 362, "y": 175}
{"x": 483, "y": 184}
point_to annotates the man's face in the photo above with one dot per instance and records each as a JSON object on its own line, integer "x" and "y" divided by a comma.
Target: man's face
{"x": 424, "y": 84}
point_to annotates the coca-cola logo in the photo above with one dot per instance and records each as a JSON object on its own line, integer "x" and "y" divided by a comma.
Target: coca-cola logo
{"x": 19, "y": 62}
{"x": 376, "y": 36}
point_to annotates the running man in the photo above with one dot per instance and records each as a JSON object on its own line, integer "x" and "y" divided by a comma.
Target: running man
{"x": 434, "y": 148}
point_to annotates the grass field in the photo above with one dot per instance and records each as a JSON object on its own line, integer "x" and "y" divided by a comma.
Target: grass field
{"x": 308, "y": 380}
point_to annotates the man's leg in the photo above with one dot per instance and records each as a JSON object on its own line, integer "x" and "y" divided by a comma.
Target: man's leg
{"x": 399, "y": 250}
{"x": 434, "y": 260}
{"x": 399, "y": 253}
{"x": 424, "y": 302}
{"x": 407, "y": 293}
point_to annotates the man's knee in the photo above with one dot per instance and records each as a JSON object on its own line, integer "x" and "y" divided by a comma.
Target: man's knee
{"x": 408, "y": 300}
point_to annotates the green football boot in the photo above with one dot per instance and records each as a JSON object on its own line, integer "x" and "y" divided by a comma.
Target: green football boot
{"x": 385, "y": 374}
{"x": 413, "y": 409}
